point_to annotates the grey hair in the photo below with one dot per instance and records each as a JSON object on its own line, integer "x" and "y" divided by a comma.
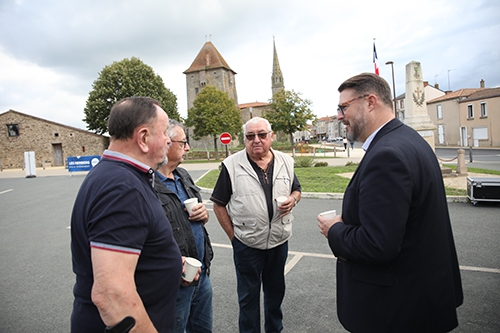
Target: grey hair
{"x": 257, "y": 120}
{"x": 129, "y": 113}
{"x": 172, "y": 123}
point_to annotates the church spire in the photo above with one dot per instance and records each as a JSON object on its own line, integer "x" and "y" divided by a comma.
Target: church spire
{"x": 277, "y": 77}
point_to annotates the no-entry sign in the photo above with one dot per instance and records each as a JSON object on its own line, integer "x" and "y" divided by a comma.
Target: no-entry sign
{"x": 225, "y": 138}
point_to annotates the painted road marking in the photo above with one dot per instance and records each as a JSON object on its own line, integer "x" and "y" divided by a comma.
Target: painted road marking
{"x": 299, "y": 255}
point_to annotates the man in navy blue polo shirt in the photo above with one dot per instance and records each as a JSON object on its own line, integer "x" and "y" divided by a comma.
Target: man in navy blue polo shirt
{"x": 125, "y": 258}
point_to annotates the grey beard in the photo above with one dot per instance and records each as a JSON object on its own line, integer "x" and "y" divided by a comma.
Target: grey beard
{"x": 165, "y": 161}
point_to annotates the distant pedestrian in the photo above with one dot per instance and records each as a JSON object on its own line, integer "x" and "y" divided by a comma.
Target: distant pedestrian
{"x": 352, "y": 144}
{"x": 344, "y": 141}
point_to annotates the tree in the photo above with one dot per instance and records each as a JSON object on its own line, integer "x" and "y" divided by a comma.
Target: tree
{"x": 289, "y": 113}
{"x": 126, "y": 78}
{"x": 213, "y": 113}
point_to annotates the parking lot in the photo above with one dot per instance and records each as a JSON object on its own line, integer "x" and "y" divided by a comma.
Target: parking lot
{"x": 36, "y": 279}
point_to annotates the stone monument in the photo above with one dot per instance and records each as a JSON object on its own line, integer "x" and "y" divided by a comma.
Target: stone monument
{"x": 415, "y": 104}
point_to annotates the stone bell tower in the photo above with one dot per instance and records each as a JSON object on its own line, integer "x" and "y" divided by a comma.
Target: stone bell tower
{"x": 277, "y": 83}
{"x": 416, "y": 115}
{"x": 210, "y": 68}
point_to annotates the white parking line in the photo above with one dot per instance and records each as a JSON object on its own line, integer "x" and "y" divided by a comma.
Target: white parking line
{"x": 480, "y": 269}
{"x": 292, "y": 263}
{"x": 6, "y": 191}
{"x": 299, "y": 255}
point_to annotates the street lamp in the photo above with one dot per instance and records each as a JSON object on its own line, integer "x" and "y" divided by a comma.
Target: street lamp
{"x": 393, "y": 87}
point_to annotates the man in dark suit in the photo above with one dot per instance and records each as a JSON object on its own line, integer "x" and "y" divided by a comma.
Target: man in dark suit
{"x": 397, "y": 267}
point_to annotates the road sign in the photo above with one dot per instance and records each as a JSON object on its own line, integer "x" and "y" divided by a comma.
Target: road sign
{"x": 225, "y": 138}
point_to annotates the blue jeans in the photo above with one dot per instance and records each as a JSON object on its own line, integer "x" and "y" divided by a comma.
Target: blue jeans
{"x": 193, "y": 308}
{"x": 253, "y": 268}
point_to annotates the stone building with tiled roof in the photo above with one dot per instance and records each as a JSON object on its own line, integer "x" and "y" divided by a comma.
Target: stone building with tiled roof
{"x": 210, "y": 68}
{"x": 254, "y": 109}
{"x": 52, "y": 142}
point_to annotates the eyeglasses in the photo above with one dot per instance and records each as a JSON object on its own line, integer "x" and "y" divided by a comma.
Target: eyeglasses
{"x": 262, "y": 136}
{"x": 343, "y": 107}
{"x": 182, "y": 143}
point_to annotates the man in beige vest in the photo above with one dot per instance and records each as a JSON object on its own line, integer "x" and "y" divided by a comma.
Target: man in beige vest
{"x": 245, "y": 205}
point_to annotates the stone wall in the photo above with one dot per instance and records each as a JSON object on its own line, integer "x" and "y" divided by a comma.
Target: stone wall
{"x": 51, "y": 142}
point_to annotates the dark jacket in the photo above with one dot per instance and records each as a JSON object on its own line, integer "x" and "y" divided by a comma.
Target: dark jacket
{"x": 180, "y": 224}
{"x": 397, "y": 269}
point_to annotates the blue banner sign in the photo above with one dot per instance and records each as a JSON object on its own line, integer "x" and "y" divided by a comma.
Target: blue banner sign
{"x": 82, "y": 163}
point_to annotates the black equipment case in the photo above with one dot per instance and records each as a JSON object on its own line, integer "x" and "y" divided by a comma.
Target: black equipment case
{"x": 483, "y": 189}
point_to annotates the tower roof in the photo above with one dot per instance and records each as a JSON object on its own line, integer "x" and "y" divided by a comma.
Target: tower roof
{"x": 276, "y": 63}
{"x": 208, "y": 58}
{"x": 277, "y": 83}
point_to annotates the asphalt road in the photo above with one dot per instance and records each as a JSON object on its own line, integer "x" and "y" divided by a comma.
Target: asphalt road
{"x": 36, "y": 279}
{"x": 483, "y": 158}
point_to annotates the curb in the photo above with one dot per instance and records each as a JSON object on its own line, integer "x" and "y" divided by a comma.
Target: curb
{"x": 340, "y": 196}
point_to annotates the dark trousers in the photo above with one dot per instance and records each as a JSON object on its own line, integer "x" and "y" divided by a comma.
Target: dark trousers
{"x": 255, "y": 268}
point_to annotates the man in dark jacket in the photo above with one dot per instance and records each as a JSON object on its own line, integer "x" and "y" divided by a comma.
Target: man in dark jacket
{"x": 397, "y": 267}
{"x": 174, "y": 185}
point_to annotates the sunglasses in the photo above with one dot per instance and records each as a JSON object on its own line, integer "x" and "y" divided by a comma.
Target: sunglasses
{"x": 262, "y": 136}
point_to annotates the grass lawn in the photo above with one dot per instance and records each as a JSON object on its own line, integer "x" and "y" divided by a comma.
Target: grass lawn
{"x": 326, "y": 179}
{"x": 474, "y": 170}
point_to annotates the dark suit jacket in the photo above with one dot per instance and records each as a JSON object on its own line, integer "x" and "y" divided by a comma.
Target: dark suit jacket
{"x": 397, "y": 269}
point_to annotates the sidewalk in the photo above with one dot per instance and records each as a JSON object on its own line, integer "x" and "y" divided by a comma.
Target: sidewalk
{"x": 338, "y": 158}
{"x": 341, "y": 159}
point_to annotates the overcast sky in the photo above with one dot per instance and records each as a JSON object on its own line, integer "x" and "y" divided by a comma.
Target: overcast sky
{"x": 52, "y": 51}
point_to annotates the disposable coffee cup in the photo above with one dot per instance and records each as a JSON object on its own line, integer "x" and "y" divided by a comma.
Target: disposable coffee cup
{"x": 192, "y": 266}
{"x": 329, "y": 214}
{"x": 190, "y": 203}
{"x": 280, "y": 200}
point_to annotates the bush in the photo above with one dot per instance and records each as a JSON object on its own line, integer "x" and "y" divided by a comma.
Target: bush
{"x": 304, "y": 162}
{"x": 321, "y": 164}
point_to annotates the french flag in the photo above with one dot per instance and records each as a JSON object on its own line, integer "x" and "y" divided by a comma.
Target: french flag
{"x": 375, "y": 59}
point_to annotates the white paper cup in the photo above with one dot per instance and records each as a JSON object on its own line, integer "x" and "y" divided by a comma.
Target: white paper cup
{"x": 280, "y": 200}
{"x": 190, "y": 203}
{"x": 192, "y": 266}
{"x": 329, "y": 214}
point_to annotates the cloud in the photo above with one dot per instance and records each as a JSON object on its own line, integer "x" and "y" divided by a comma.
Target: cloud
{"x": 52, "y": 51}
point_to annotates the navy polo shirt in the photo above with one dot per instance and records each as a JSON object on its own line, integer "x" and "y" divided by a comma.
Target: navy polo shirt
{"x": 117, "y": 210}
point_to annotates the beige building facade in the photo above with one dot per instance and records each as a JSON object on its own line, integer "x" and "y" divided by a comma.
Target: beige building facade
{"x": 480, "y": 118}
{"x": 328, "y": 128}
{"x": 467, "y": 118}
{"x": 444, "y": 111}
{"x": 51, "y": 142}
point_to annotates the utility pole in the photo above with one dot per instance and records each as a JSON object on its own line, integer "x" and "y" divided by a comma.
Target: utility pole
{"x": 449, "y": 70}
{"x": 393, "y": 87}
